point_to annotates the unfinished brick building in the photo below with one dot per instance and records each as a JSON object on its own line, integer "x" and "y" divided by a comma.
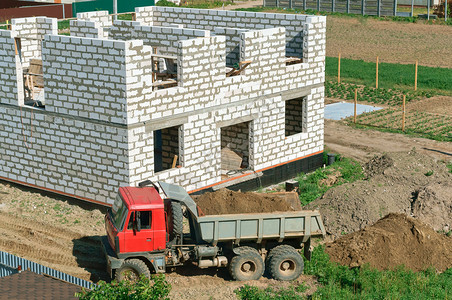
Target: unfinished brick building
{"x": 172, "y": 96}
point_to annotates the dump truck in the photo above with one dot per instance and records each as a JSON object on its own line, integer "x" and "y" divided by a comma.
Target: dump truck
{"x": 145, "y": 234}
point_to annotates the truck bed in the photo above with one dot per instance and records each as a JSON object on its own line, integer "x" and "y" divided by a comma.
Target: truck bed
{"x": 257, "y": 227}
{"x": 253, "y": 227}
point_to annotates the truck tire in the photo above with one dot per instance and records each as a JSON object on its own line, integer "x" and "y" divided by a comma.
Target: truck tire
{"x": 275, "y": 250}
{"x": 248, "y": 265}
{"x": 131, "y": 270}
{"x": 175, "y": 223}
{"x": 286, "y": 265}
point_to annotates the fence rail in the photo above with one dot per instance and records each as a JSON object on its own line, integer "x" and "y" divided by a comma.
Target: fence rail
{"x": 9, "y": 264}
{"x": 363, "y": 7}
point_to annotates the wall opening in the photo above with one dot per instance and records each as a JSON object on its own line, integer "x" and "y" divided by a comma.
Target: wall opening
{"x": 166, "y": 148}
{"x": 164, "y": 70}
{"x": 295, "y": 118}
{"x": 235, "y": 149}
{"x": 34, "y": 84}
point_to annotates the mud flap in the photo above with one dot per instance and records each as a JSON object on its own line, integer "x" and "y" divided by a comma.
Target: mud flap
{"x": 113, "y": 263}
{"x": 307, "y": 251}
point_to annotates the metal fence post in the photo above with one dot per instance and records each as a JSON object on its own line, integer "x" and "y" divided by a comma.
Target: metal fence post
{"x": 348, "y": 6}
{"x": 115, "y": 9}
{"x": 332, "y": 5}
{"x": 395, "y": 8}
{"x": 428, "y": 10}
{"x": 318, "y": 5}
{"x": 378, "y": 7}
{"x": 290, "y": 4}
{"x": 304, "y": 4}
{"x": 363, "y": 7}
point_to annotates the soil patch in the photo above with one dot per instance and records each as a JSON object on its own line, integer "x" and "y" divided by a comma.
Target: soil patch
{"x": 225, "y": 201}
{"x": 377, "y": 165}
{"x": 362, "y": 145}
{"x": 409, "y": 183}
{"x": 430, "y": 204}
{"x": 52, "y": 231}
{"x": 392, "y": 241}
{"x": 438, "y": 105}
{"x": 393, "y": 42}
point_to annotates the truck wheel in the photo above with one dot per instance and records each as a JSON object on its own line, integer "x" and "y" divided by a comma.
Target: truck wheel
{"x": 277, "y": 249}
{"x": 175, "y": 223}
{"x": 248, "y": 265}
{"x": 286, "y": 265}
{"x": 131, "y": 270}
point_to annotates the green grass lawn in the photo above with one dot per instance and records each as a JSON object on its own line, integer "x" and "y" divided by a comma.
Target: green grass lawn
{"x": 389, "y": 75}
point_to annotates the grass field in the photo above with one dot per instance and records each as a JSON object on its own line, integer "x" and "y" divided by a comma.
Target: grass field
{"x": 389, "y": 75}
{"x": 340, "y": 282}
{"x": 312, "y": 185}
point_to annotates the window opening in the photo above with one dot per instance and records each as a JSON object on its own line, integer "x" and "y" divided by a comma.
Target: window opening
{"x": 295, "y": 116}
{"x": 166, "y": 148}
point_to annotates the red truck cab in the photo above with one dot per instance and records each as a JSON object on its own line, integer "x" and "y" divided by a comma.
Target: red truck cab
{"x": 137, "y": 222}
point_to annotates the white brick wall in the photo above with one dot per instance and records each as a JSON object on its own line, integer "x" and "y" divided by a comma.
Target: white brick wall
{"x": 101, "y": 110}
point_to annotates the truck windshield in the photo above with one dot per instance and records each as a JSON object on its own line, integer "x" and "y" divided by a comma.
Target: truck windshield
{"x": 119, "y": 213}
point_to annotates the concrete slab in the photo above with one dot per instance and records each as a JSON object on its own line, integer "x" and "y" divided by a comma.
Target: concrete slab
{"x": 341, "y": 110}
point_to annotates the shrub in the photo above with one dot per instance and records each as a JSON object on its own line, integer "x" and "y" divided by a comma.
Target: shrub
{"x": 141, "y": 290}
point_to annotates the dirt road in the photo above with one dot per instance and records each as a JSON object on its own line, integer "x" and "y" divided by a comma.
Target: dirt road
{"x": 364, "y": 144}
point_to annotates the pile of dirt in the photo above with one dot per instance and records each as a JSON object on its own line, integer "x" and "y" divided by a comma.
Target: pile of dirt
{"x": 409, "y": 183}
{"x": 392, "y": 241}
{"x": 428, "y": 204}
{"x": 378, "y": 165}
{"x": 225, "y": 201}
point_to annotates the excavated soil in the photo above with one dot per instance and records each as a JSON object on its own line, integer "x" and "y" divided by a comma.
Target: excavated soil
{"x": 409, "y": 183}
{"x": 225, "y": 201}
{"x": 52, "y": 231}
{"x": 392, "y": 241}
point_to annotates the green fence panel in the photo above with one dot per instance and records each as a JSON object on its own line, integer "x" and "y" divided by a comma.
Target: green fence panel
{"x": 123, "y": 5}
{"x": 129, "y": 5}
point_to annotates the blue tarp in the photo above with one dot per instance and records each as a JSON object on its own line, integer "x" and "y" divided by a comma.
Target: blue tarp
{"x": 341, "y": 110}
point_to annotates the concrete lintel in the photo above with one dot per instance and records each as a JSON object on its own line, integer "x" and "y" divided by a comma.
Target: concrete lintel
{"x": 286, "y": 95}
{"x": 297, "y": 93}
{"x": 237, "y": 121}
{"x": 166, "y": 122}
{"x": 49, "y": 115}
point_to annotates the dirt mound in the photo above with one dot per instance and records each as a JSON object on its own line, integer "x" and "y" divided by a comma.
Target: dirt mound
{"x": 377, "y": 165}
{"x": 433, "y": 204}
{"x": 392, "y": 241}
{"x": 225, "y": 201}
{"x": 413, "y": 184}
